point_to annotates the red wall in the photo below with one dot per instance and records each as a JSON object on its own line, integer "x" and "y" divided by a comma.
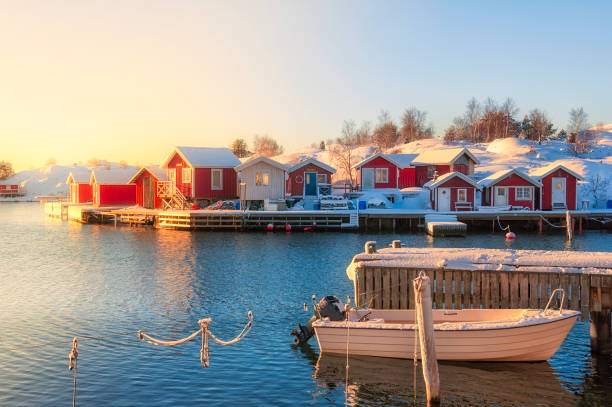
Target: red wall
{"x": 421, "y": 173}
{"x": 407, "y": 178}
{"x": 84, "y": 193}
{"x": 297, "y": 188}
{"x": 462, "y": 168}
{"x": 124, "y": 194}
{"x": 380, "y": 162}
{"x": 454, "y": 184}
{"x": 570, "y": 189}
{"x": 139, "y": 189}
{"x": 174, "y": 163}
{"x": 203, "y": 183}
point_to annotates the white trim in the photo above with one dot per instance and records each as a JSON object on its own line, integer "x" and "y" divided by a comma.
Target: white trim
{"x": 466, "y": 197}
{"x": 189, "y": 175}
{"x": 212, "y": 179}
{"x": 314, "y": 162}
{"x": 523, "y": 189}
{"x": 386, "y": 170}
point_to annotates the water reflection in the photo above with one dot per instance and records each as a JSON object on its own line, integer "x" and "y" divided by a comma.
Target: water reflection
{"x": 383, "y": 381}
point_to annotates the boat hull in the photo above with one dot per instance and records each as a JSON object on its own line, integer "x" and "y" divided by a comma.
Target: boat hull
{"x": 523, "y": 343}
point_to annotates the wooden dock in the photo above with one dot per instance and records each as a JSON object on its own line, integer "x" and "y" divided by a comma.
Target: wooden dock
{"x": 444, "y": 225}
{"x": 485, "y": 278}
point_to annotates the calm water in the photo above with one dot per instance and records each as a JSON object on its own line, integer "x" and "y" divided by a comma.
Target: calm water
{"x": 102, "y": 284}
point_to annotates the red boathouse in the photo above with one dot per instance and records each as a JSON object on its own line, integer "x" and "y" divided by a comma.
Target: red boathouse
{"x": 146, "y": 180}
{"x": 453, "y": 191}
{"x": 110, "y": 186}
{"x": 510, "y": 187}
{"x": 558, "y": 187}
{"x": 203, "y": 173}
{"x": 307, "y": 177}
{"x": 80, "y": 188}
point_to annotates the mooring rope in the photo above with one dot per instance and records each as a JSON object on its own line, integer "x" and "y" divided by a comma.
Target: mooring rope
{"x": 204, "y": 350}
{"x": 506, "y": 229}
{"x": 552, "y": 224}
{"x": 72, "y": 365}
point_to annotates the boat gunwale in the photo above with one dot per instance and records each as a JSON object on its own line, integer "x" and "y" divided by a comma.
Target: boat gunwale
{"x": 413, "y": 327}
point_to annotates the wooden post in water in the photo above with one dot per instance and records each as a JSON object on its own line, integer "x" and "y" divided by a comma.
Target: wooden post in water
{"x": 580, "y": 225}
{"x": 422, "y": 293}
{"x": 540, "y": 226}
{"x": 568, "y": 224}
{"x": 601, "y": 310}
{"x": 396, "y": 244}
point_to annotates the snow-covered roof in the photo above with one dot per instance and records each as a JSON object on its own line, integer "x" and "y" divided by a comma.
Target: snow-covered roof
{"x": 204, "y": 157}
{"x": 541, "y": 172}
{"x": 399, "y": 160}
{"x": 443, "y": 156}
{"x": 500, "y": 175}
{"x": 312, "y": 161}
{"x": 78, "y": 177}
{"x": 256, "y": 160}
{"x": 442, "y": 179}
{"x": 113, "y": 176}
{"x": 155, "y": 170}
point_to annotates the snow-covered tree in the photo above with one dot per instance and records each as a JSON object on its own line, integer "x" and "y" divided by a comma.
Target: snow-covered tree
{"x": 6, "y": 170}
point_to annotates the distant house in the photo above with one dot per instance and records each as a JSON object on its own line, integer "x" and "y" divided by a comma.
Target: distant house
{"x": 11, "y": 190}
{"x": 146, "y": 181}
{"x": 110, "y": 186}
{"x": 80, "y": 188}
{"x": 510, "y": 187}
{"x": 261, "y": 179}
{"x": 385, "y": 171}
{"x": 558, "y": 187}
{"x": 440, "y": 162}
{"x": 453, "y": 191}
{"x": 412, "y": 170}
{"x": 306, "y": 177}
{"x": 203, "y": 173}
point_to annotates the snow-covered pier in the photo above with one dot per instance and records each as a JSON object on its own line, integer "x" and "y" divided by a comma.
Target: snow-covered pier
{"x": 490, "y": 278}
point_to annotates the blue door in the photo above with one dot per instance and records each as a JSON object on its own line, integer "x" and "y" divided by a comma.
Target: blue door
{"x": 310, "y": 183}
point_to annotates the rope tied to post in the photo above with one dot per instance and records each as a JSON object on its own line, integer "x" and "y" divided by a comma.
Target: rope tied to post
{"x": 206, "y": 334}
{"x": 72, "y": 364}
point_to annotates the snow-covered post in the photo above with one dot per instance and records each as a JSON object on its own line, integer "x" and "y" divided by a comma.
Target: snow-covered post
{"x": 370, "y": 247}
{"x": 396, "y": 244}
{"x": 422, "y": 293}
{"x": 568, "y": 224}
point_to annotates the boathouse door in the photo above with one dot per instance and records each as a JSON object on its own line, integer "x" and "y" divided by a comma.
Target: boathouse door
{"x": 310, "y": 183}
{"x": 148, "y": 193}
{"x": 501, "y": 196}
{"x": 444, "y": 200}
{"x": 558, "y": 192}
{"x": 368, "y": 178}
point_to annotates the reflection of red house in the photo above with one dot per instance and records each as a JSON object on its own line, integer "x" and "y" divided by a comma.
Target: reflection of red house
{"x": 146, "y": 180}
{"x": 558, "y": 187}
{"x": 203, "y": 173}
{"x": 453, "y": 191}
{"x": 509, "y": 187}
{"x": 306, "y": 177}
{"x": 110, "y": 186}
{"x": 412, "y": 170}
{"x": 80, "y": 188}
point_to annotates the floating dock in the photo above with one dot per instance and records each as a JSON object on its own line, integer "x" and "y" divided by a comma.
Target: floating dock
{"x": 444, "y": 225}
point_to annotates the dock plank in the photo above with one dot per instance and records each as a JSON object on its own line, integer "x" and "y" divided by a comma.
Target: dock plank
{"x": 504, "y": 285}
{"x": 534, "y": 297}
{"x": 448, "y": 289}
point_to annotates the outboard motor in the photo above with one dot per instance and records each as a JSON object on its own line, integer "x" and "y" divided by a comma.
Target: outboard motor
{"x": 329, "y": 307}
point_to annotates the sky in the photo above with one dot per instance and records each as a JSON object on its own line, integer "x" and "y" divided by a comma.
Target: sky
{"x": 128, "y": 80}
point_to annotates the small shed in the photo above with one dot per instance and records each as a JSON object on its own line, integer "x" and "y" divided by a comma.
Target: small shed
{"x": 308, "y": 176}
{"x": 453, "y": 191}
{"x": 146, "y": 180}
{"x": 509, "y": 187}
{"x": 203, "y": 172}
{"x": 385, "y": 171}
{"x": 80, "y": 188}
{"x": 558, "y": 189}
{"x": 261, "y": 179}
{"x": 110, "y": 186}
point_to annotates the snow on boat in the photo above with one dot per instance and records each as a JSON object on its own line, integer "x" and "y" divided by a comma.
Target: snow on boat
{"x": 501, "y": 335}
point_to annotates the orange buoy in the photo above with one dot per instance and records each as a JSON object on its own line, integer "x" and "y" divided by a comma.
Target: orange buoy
{"x": 307, "y": 229}
{"x": 288, "y": 228}
{"x": 270, "y": 227}
{"x": 510, "y": 235}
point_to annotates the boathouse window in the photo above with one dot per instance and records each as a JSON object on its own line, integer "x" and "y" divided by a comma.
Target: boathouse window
{"x": 430, "y": 171}
{"x": 522, "y": 193}
{"x": 382, "y": 175}
{"x": 172, "y": 174}
{"x": 462, "y": 195}
{"x": 262, "y": 178}
{"x": 321, "y": 178}
{"x": 186, "y": 175}
{"x": 216, "y": 178}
